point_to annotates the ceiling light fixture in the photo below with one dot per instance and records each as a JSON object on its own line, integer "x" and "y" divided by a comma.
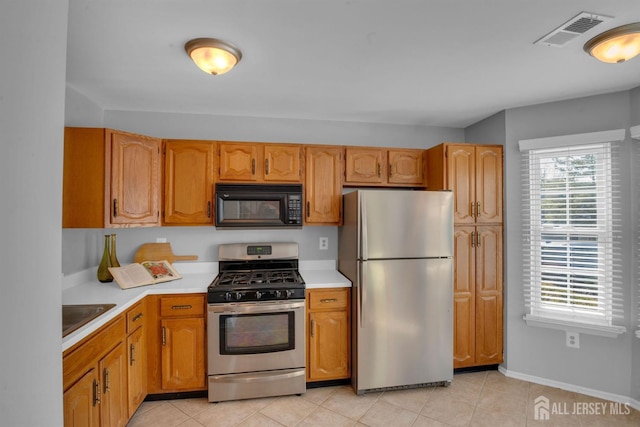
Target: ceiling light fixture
{"x": 213, "y": 56}
{"x": 615, "y": 45}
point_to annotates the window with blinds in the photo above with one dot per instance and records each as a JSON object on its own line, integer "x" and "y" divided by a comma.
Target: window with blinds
{"x": 571, "y": 214}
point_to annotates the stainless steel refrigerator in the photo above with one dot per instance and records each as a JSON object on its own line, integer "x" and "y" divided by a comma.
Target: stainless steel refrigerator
{"x": 396, "y": 247}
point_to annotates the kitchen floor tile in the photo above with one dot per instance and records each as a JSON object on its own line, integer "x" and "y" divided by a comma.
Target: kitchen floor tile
{"x": 473, "y": 399}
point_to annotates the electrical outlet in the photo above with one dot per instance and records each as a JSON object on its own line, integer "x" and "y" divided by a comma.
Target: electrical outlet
{"x": 161, "y": 240}
{"x": 324, "y": 243}
{"x": 573, "y": 339}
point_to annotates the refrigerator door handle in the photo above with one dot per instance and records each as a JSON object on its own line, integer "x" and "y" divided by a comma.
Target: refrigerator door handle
{"x": 363, "y": 229}
{"x": 362, "y": 297}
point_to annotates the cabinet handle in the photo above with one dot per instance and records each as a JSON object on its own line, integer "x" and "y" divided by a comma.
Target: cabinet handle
{"x": 181, "y": 307}
{"x": 266, "y": 166}
{"x": 473, "y": 205}
{"x": 477, "y": 239}
{"x": 379, "y": 170}
{"x": 473, "y": 239}
{"x": 308, "y": 209}
{"x": 137, "y": 317}
{"x": 253, "y": 166}
{"x": 164, "y": 336}
{"x": 132, "y": 354}
{"x": 312, "y": 332}
{"x": 326, "y": 300}
{"x": 477, "y": 209}
{"x": 115, "y": 208}
{"x": 107, "y": 381}
{"x": 209, "y": 209}
{"x": 96, "y": 392}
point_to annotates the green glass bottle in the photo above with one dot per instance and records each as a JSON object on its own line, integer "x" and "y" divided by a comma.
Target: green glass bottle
{"x": 103, "y": 269}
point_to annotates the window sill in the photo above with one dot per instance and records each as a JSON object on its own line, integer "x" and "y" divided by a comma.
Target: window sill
{"x": 582, "y": 328}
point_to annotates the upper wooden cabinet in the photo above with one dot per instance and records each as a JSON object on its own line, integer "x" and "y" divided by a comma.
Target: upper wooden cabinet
{"x": 255, "y": 162}
{"x": 368, "y": 166}
{"x": 110, "y": 179}
{"x": 474, "y": 174}
{"x": 188, "y": 182}
{"x": 323, "y": 184}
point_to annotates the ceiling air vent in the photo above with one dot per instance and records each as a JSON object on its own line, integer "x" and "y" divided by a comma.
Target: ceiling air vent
{"x": 573, "y": 28}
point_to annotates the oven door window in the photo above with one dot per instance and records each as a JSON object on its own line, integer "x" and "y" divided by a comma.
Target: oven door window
{"x": 257, "y": 333}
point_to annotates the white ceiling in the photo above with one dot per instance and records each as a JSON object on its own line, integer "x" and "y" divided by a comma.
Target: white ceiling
{"x": 421, "y": 62}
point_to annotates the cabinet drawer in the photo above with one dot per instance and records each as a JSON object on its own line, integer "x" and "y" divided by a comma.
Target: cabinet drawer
{"x": 188, "y": 305}
{"x": 136, "y": 316}
{"x": 328, "y": 298}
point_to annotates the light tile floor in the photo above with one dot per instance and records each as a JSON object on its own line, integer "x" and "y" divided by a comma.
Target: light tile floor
{"x": 473, "y": 399}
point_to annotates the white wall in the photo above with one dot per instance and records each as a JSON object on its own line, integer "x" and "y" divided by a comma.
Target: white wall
{"x": 602, "y": 364}
{"x": 33, "y": 38}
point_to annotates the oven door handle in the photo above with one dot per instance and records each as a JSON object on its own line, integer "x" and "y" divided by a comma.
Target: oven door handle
{"x": 256, "y": 308}
{"x": 259, "y": 377}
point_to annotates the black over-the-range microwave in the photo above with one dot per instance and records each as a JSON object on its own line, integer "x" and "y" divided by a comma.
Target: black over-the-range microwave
{"x": 258, "y": 205}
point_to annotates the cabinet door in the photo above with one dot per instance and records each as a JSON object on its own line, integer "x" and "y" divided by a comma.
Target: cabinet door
{"x": 183, "y": 364}
{"x": 328, "y": 345}
{"x": 188, "y": 182}
{"x": 461, "y": 180}
{"x": 406, "y": 167}
{"x": 137, "y": 370}
{"x": 238, "y": 161}
{"x": 489, "y": 316}
{"x": 134, "y": 180}
{"x": 113, "y": 403}
{"x": 323, "y": 185}
{"x": 365, "y": 165}
{"x": 282, "y": 162}
{"x": 488, "y": 185}
{"x": 81, "y": 402}
{"x": 464, "y": 297}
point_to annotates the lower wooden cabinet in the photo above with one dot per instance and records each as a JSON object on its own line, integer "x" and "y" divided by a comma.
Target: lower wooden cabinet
{"x": 177, "y": 342}
{"x": 95, "y": 379}
{"x": 329, "y": 334}
{"x": 137, "y": 355}
{"x": 478, "y": 305}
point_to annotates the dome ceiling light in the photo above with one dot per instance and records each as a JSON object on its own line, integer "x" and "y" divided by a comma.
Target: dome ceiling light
{"x": 213, "y": 56}
{"x": 616, "y": 45}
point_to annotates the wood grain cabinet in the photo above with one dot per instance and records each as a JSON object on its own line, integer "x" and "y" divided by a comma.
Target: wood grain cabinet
{"x": 474, "y": 174}
{"x": 177, "y": 349}
{"x": 136, "y": 355}
{"x": 95, "y": 379}
{"x": 259, "y": 162}
{"x": 329, "y": 334}
{"x": 110, "y": 179}
{"x": 369, "y": 166}
{"x": 323, "y": 184}
{"x": 188, "y": 182}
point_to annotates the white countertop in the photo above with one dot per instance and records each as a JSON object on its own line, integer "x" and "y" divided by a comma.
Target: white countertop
{"x": 84, "y": 288}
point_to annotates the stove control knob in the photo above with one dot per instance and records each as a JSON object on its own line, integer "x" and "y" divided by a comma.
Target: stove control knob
{"x": 289, "y": 293}
{"x": 278, "y": 294}
{"x": 238, "y": 296}
{"x": 258, "y": 294}
{"x": 227, "y": 296}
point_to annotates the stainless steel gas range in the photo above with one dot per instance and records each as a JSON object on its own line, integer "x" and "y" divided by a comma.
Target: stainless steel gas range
{"x": 256, "y": 323}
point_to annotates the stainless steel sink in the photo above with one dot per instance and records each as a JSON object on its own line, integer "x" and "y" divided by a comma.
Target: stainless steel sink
{"x": 75, "y": 316}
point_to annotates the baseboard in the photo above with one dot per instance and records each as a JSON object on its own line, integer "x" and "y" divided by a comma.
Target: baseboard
{"x": 635, "y": 404}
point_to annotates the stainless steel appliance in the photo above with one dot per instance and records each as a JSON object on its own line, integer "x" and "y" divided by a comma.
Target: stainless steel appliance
{"x": 396, "y": 247}
{"x": 258, "y": 205}
{"x": 256, "y": 323}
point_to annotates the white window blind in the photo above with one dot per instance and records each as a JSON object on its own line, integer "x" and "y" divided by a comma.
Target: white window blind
{"x": 571, "y": 226}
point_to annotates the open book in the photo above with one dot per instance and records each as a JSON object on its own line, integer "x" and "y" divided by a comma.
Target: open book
{"x": 144, "y": 273}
